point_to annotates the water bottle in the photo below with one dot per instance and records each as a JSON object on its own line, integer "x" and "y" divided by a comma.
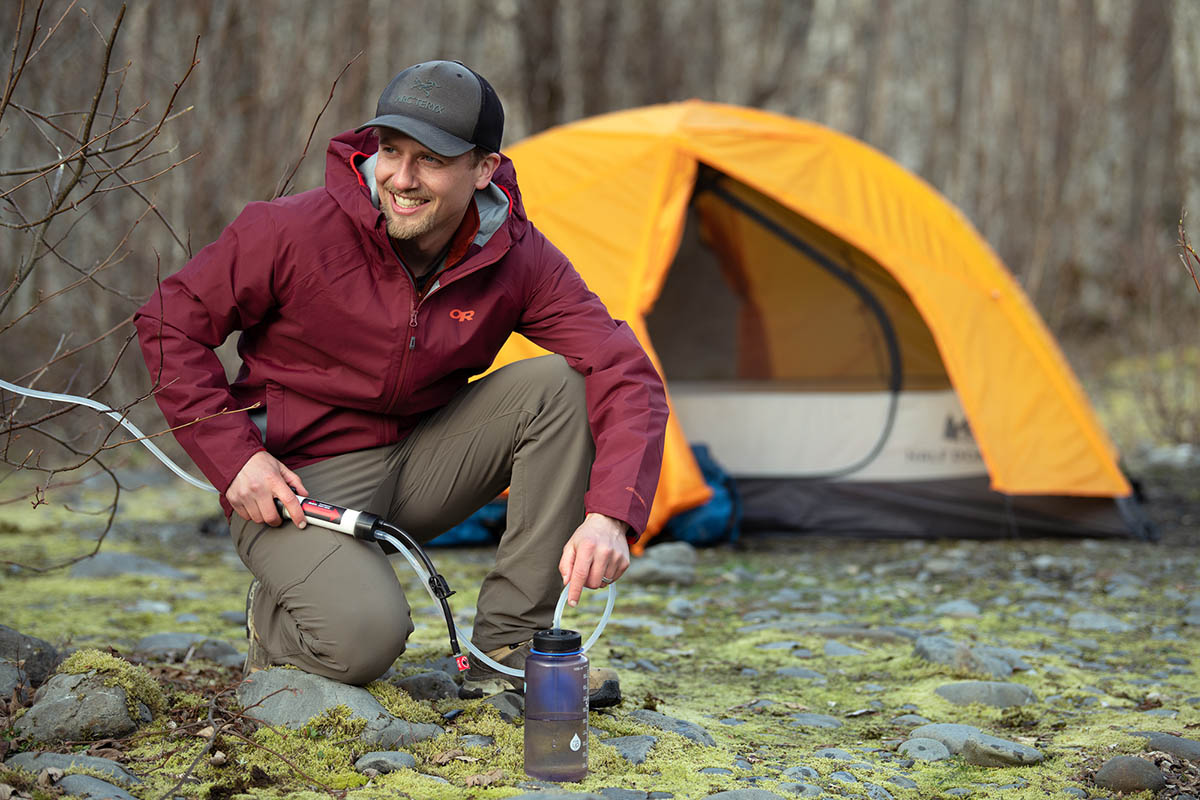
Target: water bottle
{"x": 556, "y": 707}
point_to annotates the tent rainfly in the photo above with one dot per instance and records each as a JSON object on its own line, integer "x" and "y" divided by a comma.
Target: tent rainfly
{"x": 835, "y": 331}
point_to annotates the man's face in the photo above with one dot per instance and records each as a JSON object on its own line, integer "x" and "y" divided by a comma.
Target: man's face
{"x": 422, "y": 194}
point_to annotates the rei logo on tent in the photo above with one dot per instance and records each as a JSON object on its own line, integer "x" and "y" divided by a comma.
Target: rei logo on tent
{"x": 956, "y": 429}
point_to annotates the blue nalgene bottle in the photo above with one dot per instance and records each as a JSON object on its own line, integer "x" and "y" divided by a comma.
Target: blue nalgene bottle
{"x": 556, "y": 707}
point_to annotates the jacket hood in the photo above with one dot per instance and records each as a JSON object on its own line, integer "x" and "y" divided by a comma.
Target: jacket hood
{"x": 351, "y": 189}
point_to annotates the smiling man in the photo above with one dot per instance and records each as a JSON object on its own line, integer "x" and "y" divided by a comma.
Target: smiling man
{"x": 364, "y": 307}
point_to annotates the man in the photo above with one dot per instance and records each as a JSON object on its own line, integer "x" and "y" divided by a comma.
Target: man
{"x": 364, "y": 307}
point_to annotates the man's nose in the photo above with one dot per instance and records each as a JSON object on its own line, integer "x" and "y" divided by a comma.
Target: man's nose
{"x": 405, "y": 176}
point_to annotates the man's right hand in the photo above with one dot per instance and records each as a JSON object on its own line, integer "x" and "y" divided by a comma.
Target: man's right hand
{"x": 261, "y": 480}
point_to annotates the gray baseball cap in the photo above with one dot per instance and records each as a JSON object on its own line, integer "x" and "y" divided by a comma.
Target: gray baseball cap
{"x": 444, "y": 105}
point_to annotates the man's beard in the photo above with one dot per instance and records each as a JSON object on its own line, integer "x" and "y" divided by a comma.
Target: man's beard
{"x": 404, "y": 228}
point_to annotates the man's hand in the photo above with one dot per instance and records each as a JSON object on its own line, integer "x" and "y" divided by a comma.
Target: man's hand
{"x": 262, "y": 479}
{"x": 598, "y": 549}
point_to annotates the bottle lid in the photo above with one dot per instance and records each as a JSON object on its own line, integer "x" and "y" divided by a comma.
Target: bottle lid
{"x": 557, "y": 640}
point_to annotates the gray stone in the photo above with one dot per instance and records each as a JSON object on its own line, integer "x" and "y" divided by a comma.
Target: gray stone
{"x": 681, "y": 608}
{"x": 686, "y": 729}
{"x": 952, "y": 735}
{"x": 237, "y": 618}
{"x": 801, "y": 771}
{"x": 107, "y": 564}
{"x": 716, "y": 771}
{"x": 909, "y": 720}
{"x": 1097, "y": 621}
{"x": 943, "y": 650}
{"x": 903, "y": 782}
{"x": 633, "y": 749}
{"x": 837, "y": 649}
{"x": 290, "y": 697}
{"x": 1129, "y": 774}
{"x": 877, "y": 792}
{"x": 36, "y": 762}
{"x": 801, "y": 789}
{"x": 168, "y": 646}
{"x": 40, "y": 656}
{"x": 617, "y": 793}
{"x": 787, "y": 644}
{"x": 1187, "y": 749}
{"x": 957, "y": 608}
{"x": 799, "y": 672}
{"x": 843, "y": 776}
{"x": 89, "y": 788}
{"x": 145, "y": 606}
{"x": 187, "y": 617}
{"x": 806, "y": 720}
{"x": 991, "y": 751}
{"x": 672, "y": 562}
{"x": 544, "y": 795}
{"x": 431, "y": 685}
{"x": 385, "y": 761}
{"x": 12, "y": 678}
{"x": 79, "y": 708}
{"x": 1075, "y": 791}
{"x": 834, "y": 753}
{"x": 924, "y": 749}
{"x": 510, "y": 705}
{"x": 990, "y": 693}
{"x": 220, "y": 652}
{"x": 477, "y": 740}
{"x": 744, "y": 794}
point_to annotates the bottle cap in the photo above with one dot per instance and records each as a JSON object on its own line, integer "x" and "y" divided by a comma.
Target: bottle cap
{"x": 557, "y": 640}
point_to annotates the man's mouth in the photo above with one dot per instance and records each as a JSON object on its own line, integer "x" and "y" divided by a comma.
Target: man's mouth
{"x": 407, "y": 205}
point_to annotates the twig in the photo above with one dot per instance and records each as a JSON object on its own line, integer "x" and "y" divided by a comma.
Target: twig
{"x": 285, "y": 183}
{"x": 1186, "y": 247}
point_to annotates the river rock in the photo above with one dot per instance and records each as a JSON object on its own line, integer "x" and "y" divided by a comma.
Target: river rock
{"x": 686, "y": 729}
{"x": 991, "y": 751}
{"x": 990, "y": 693}
{"x": 744, "y": 794}
{"x": 106, "y": 564}
{"x": 431, "y": 685}
{"x": 943, "y": 650}
{"x": 291, "y": 697}
{"x": 807, "y": 720}
{"x": 385, "y": 761}
{"x": 953, "y": 735}
{"x": 80, "y": 707}
{"x": 89, "y": 788}
{"x": 36, "y": 762}
{"x": 39, "y": 656}
{"x": 924, "y": 749}
{"x": 633, "y": 749}
{"x": 1130, "y": 774}
{"x": 1187, "y": 749}
{"x": 1097, "y": 621}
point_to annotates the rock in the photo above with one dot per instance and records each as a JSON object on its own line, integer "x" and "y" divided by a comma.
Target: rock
{"x": 991, "y": 751}
{"x": 431, "y": 685}
{"x": 553, "y": 794}
{"x": 12, "y": 679}
{"x": 220, "y": 652}
{"x": 168, "y": 646}
{"x": 510, "y": 705}
{"x": 952, "y": 735}
{"x": 801, "y": 789}
{"x": 672, "y": 562}
{"x": 106, "y": 564}
{"x": 144, "y": 606}
{"x": 686, "y": 729}
{"x": 843, "y": 777}
{"x": 291, "y": 697}
{"x": 903, "y": 782}
{"x": 633, "y": 749}
{"x": 744, "y": 794}
{"x": 910, "y": 720}
{"x": 1097, "y": 621}
{"x": 990, "y": 693}
{"x": 89, "y": 788}
{"x": 477, "y": 740}
{"x": 924, "y": 749}
{"x": 237, "y": 618}
{"x": 681, "y": 608}
{"x": 1014, "y": 658}
{"x": 805, "y": 720}
{"x": 801, "y": 771}
{"x": 877, "y": 792}
{"x": 834, "y": 753}
{"x": 36, "y": 762}
{"x": 385, "y": 761}
{"x": 799, "y": 672}
{"x": 40, "y": 656}
{"x": 1187, "y": 749}
{"x": 1129, "y": 774}
{"x": 617, "y": 793}
{"x": 942, "y": 650}
{"x": 837, "y": 649}
{"x": 957, "y": 608}
{"x": 80, "y": 708}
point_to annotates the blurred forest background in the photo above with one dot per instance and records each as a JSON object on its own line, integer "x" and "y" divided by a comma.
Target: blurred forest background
{"x": 1067, "y": 131}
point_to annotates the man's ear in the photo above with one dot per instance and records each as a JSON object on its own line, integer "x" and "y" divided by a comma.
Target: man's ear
{"x": 485, "y": 169}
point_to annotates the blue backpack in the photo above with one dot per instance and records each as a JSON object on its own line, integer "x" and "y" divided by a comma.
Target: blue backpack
{"x": 720, "y": 519}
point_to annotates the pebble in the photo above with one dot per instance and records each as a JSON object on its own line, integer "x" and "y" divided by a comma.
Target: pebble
{"x": 807, "y": 720}
{"x": 801, "y": 789}
{"x": 633, "y": 749}
{"x": 990, "y": 751}
{"x": 837, "y": 650}
{"x": 952, "y": 735}
{"x": 801, "y": 771}
{"x": 385, "y": 761}
{"x": 1187, "y": 749}
{"x": 924, "y": 749}
{"x": 990, "y": 693}
{"x": 1129, "y": 774}
{"x": 686, "y": 729}
{"x": 1097, "y": 621}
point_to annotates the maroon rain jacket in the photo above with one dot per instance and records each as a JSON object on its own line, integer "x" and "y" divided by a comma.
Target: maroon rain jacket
{"x": 345, "y": 355}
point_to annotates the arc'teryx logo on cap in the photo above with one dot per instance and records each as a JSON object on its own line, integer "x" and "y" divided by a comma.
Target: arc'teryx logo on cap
{"x": 424, "y": 86}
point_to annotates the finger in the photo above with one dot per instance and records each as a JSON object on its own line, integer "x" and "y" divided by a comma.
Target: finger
{"x": 293, "y": 480}
{"x": 567, "y": 561}
{"x": 266, "y": 508}
{"x": 292, "y": 504}
{"x": 579, "y": 575}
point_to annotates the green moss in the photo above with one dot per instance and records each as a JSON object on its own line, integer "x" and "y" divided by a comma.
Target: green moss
{"x": 138, "y": 685}
{"x": 400, "y": 703}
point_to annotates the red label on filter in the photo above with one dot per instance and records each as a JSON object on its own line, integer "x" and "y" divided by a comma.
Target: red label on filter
{"x": 315, "y": 509}
{"x": 463, "y": 664}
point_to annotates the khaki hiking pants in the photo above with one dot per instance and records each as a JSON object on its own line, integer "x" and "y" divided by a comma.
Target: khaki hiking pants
{"x": 331, "y": 604}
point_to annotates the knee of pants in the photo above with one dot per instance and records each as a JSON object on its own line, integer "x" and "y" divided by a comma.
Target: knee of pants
{"x": 371, "y": 636}
{"x": 556, "y": 378}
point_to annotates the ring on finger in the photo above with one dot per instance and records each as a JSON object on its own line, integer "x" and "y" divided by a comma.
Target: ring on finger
{"x": 606, "y": 581}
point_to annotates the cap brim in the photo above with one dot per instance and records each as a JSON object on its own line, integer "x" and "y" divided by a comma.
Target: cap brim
{"x": 436, "y": 139}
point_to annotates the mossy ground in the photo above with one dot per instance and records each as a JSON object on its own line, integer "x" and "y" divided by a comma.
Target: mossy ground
{"x": 776, "y": 589}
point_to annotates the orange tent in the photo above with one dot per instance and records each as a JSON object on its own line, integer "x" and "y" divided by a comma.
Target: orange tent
{"x": 770, "y": 195}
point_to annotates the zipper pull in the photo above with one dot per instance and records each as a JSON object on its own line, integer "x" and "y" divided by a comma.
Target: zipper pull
{"x": 412, "y": 317}
{"x": 412, "y": 343}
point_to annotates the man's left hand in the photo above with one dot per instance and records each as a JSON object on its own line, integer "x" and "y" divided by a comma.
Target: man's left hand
{"x": 596, "y": 555}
